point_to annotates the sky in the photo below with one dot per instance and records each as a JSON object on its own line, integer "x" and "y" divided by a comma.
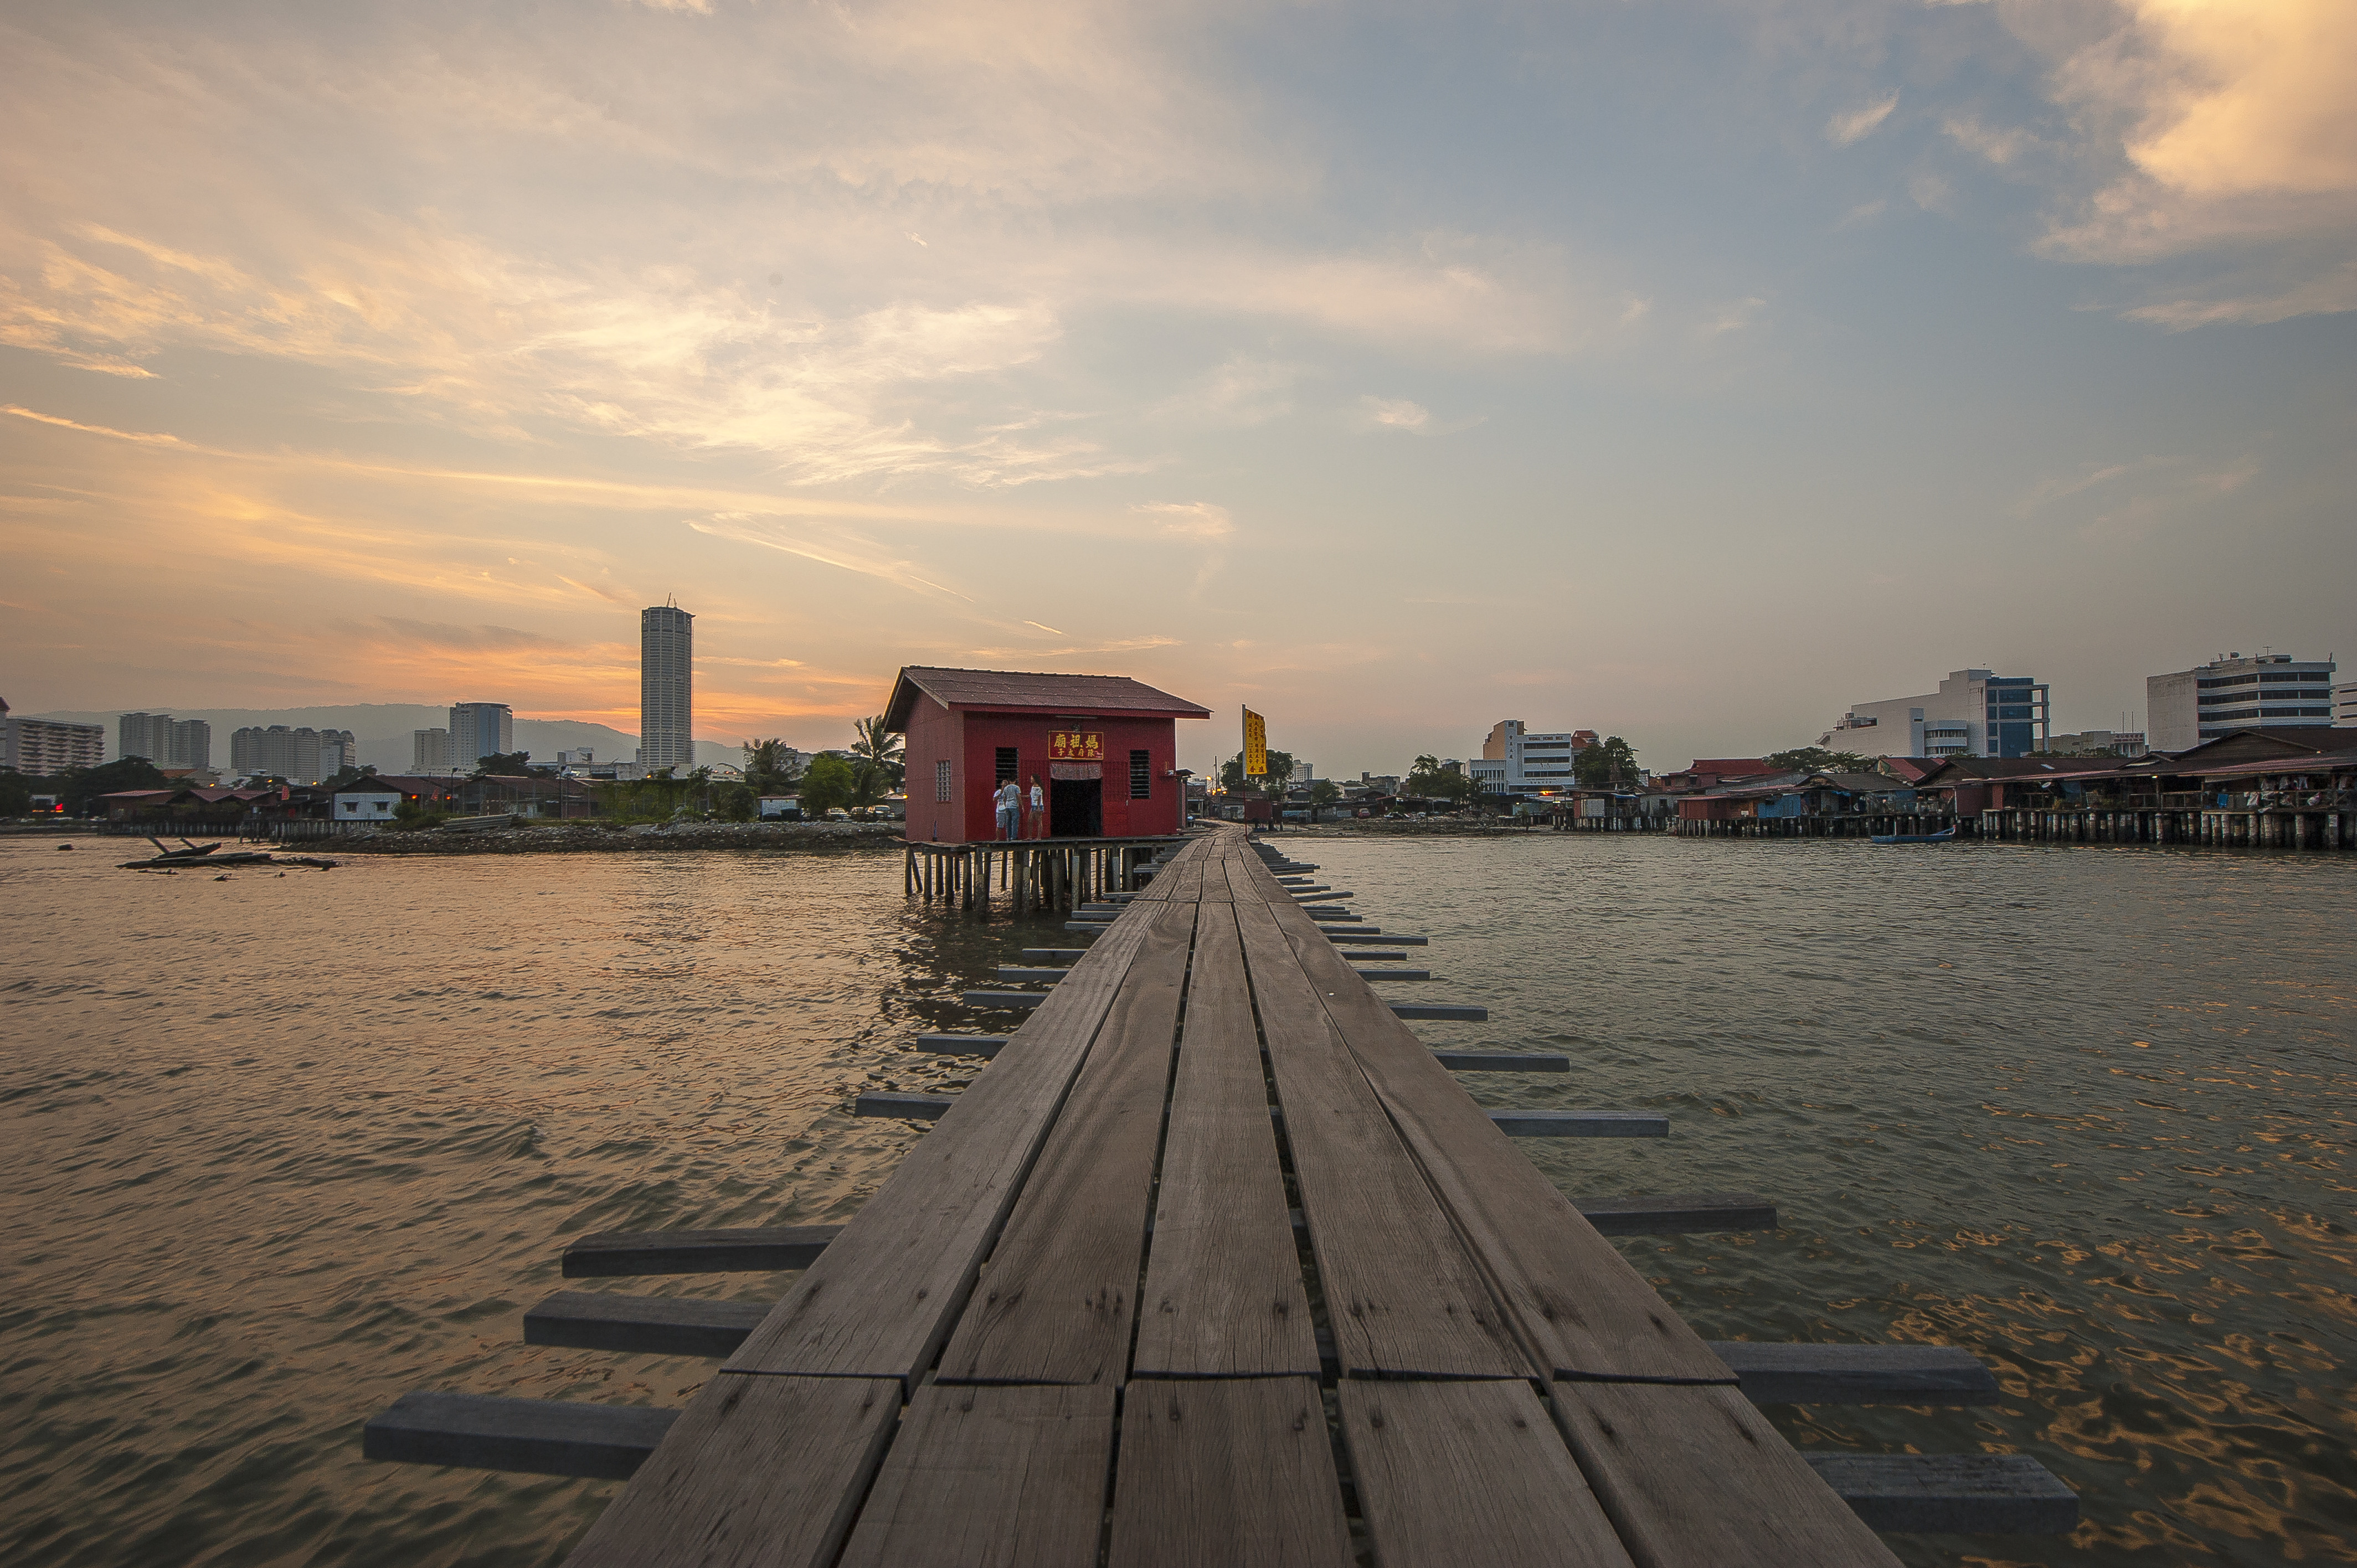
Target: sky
{"x": 1688, "y": 371}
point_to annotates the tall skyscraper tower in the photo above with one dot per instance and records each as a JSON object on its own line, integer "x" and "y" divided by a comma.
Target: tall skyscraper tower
{"x": 666, "y": 687}
{"x": 478, "y": 730}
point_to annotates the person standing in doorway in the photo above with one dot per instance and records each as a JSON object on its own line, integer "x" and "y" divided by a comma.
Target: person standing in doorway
{"x": 1010, "y": 809}
{"x": 1039, "y": 810}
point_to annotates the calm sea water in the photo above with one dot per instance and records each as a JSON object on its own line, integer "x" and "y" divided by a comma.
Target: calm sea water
{"x": 278, "y": 1149}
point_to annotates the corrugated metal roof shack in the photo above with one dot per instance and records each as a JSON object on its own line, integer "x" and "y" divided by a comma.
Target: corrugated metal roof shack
{"x": 1104, "y": 750}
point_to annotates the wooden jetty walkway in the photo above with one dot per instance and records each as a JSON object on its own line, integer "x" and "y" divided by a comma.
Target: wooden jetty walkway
{"x": 1215, "y": 1264}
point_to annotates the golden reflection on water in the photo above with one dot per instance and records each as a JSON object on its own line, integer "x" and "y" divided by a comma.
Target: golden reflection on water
{"x": 277, "y": 1150}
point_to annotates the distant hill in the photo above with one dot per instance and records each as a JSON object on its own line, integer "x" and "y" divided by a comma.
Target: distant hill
{"x": 382, "y": 730}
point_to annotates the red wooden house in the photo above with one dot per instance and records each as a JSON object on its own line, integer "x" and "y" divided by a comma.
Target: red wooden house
{"x": 1104, "y": 750}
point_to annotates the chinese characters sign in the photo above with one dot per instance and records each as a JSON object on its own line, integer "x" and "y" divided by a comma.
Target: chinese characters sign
{"x": 1075, "y": 746}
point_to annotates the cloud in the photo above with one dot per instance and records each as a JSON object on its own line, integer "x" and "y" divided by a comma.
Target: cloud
{"x": 1201, "y": 520}
{"x": 835, "y": 547}
{"x": 1240, "y": 391}
{"x": 1842, "y": 130}
{"x": 2219, "y": 127}
{"x": 1394, "y": 414}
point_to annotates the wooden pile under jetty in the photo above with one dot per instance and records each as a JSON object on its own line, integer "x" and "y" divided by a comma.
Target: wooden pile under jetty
{"x": 1215, "y": 1264}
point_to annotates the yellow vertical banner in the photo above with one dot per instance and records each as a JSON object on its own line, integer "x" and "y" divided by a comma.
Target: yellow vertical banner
{"x": 1256, "y": 746}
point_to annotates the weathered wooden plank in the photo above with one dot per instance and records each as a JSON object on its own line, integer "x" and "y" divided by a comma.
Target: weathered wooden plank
{"x": 1458, "y": 1012}
{"x": 1371, "y": 936}
{"x": 880, "y": 1301}
{"x": 1223, "y": 1295}
{"x": 1374, "y": 974}
{"x": 903, "y": 1107}
{"x": 983, "y": 1045}
{"x": 1694, "y": 1473}
{"x": 539, "y": 1437}
{"x": 1009, "y": 1000}
{"x": 1377, "y": 955}
{"x": 1576, "y": 1301}
{"x": 991, "y": 1478}
{"x": 744, "y": 1250}
{"x": 756, "y": 1473}
{"x": 642, "y": 1325}
{"x": 1058, "y": 1302}
{"x": 1403, "y": 1297}
{"x": 1580, "y": 1123}
{"x": 1679, "y": 1212}
{"x": 1018, "y": 974}
{"x": 1455, "y": 1473}
{"x": 1504, "y": 1061}
{"x": 1857, "y": 1374}
{"x": 1233, "y": 1471}
{"x": 1960, "y": 1494}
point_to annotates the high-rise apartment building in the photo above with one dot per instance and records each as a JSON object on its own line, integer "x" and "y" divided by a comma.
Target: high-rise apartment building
{"x": 478, "y": 730}
{"x": 429, "y": 750}
{"x": 298, "y": 756}
{"x": 41, "y": 747}
{"x": 164, "y": 741}
{"x": 1974, "y": 714}
{"x": 2269, "y": 691}
{"x": 666, "y": 687}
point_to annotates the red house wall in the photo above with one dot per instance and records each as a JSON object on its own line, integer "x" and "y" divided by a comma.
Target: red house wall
{"x": 1028, "y": 732}
{"x": 932, "y": 735}
{"x": 970, "y": 741}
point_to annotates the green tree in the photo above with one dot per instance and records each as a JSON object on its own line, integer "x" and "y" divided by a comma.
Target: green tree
{"x": 879, "y": 751}
{"x": 734, "y": 803}
{"x": 16, "y": 793}
{"x": 1606, "y": 764}
{"x": 1324, "y": 792}
{"x": 828, "y": 782}
{"x": 504, "y": 765}
{"x": 1280, "y": 773}
{"x": 770, "y": 767}
{"x": 1817, "y": 759}
{"x": 81, "y": 786}
{"x": 1430, "y": 778}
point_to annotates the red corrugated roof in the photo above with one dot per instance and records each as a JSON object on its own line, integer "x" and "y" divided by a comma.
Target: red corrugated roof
{"x": 1025, "y": 690}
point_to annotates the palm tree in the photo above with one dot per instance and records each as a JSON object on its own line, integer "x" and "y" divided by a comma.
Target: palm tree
{"x": 880, "y": 748}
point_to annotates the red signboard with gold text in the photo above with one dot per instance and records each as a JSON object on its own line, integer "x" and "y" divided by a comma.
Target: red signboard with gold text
{"x": 1075, "y": 746}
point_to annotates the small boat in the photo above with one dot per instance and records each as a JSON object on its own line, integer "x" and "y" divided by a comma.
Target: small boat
{"x": 1943, "y": 836}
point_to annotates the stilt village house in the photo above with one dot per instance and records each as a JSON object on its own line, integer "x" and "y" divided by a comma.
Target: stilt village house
{"x": 1104, "y": 748}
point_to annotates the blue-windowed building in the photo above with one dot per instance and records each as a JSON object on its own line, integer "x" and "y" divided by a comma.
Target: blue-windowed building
{"x": 1975, "y": 713}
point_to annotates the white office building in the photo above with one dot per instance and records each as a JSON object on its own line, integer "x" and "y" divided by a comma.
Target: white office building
{"x": 41, "y": 747}
{"x": 666, "y": 687}
{"x": 1515, "y": 760}
{"x": 1975, "y": 712}
{"x": 303, "y": 756}
{"x": 164, "y": 741}
{"x": 478, "y": 730}
{"x": 429, "y": 751}
{"x": 2267, "y": 690}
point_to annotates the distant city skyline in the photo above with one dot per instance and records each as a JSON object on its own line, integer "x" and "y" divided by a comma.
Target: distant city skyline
{"x": 1686, "y": 373}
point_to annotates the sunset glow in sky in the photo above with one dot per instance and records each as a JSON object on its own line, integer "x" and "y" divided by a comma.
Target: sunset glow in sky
{"x": 1684, "y": 370}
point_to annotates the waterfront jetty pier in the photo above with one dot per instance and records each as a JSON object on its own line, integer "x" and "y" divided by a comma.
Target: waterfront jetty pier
{"x": 1034, "y": 873}
{"x": 1215, "y": 1264}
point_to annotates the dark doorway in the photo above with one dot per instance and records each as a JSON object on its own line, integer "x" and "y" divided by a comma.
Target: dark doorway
{"x": 1076, "y": 808}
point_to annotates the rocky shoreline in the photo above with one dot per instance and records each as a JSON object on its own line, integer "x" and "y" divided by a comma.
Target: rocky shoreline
{"x": 558, "y": 838}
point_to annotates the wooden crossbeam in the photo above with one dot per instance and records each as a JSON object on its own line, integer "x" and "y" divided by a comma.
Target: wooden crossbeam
{"x": 738, "y": 1250}
{"x": 2009, "y": 1494}
{"x": 1580, "y": 1123}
